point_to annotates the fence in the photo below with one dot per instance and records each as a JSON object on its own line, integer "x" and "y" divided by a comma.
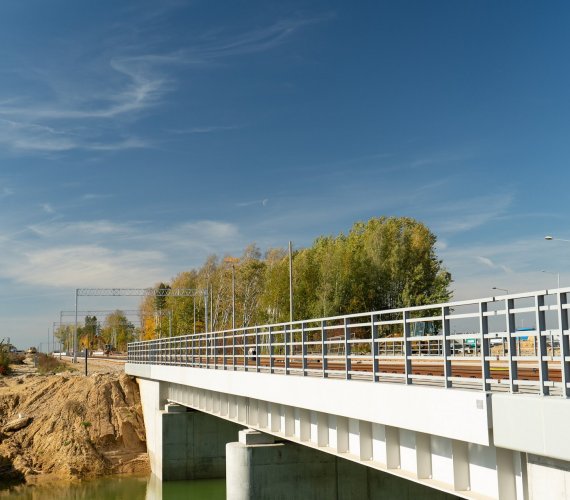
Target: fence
{"x": 482, "y": 344}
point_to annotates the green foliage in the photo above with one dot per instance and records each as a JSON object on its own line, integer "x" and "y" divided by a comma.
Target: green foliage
{"x": 117, "y": 331}
{"x": 64, "y": 334}
{"x": 387, "y": 262}
{"x": 4, "y": 364}
{"x": 4, "y": 358}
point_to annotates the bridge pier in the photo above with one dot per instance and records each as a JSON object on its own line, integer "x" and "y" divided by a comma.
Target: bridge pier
{"x": 259, "y": 467}
{"x": 183, "y": 443}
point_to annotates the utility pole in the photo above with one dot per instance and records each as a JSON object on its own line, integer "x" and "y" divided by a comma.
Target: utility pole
{"x": 233, "y": 261}
{"x": 75, "y": 335}
{"x": 290, "y": 282}
{"x": 206, "y": 295}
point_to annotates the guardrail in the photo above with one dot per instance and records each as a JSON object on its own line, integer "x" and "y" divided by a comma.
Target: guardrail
{"x": 512, "y": 342}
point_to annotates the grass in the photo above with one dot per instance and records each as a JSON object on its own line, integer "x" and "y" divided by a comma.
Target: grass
{"x": 49, "y": 364}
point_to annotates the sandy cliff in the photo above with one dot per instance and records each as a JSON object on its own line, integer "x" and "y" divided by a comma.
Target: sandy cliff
{"x": 71, "y": 425}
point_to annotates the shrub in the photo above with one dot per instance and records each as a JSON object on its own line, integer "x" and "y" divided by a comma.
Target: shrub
{"x": 74, "y": 407}
{"x": 17, "y": 359}
{"x": 49, "y": 364}
{"x": 4, "y": 363}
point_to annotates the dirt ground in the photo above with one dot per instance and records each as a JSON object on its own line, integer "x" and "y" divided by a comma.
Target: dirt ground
{"x": 73, "y": 426}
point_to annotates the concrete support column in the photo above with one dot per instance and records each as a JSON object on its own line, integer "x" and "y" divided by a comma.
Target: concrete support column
{"x": 460, "y": 457}
{"x": 506, "y": 474}
{"x": 392, "y": 447}
{"x": 257, "y": 467}
{"x": 193, "y": 445}
{"x": 153, "y": 400}
{"x": 423, "y": 455}
{"x": 183, "y": 444}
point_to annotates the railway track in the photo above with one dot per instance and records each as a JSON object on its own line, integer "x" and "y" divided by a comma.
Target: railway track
{"x": 459, "y": 369}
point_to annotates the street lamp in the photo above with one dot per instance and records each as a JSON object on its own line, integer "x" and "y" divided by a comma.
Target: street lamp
{"x": 557, "y": 276}
{"x": 502, "y": 289}
{"x": 550, "y": 238}
{"x": 291, "y": 283}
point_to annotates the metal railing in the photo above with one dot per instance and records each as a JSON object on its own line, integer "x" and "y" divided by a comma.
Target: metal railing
{"x": 517, "y": 342}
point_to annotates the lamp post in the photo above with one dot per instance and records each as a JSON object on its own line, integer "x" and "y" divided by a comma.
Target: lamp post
{"x": 550, "y": 238}
{"x": 502, "y": 289}
{"x": 291, "y": 283}
{"x": 556, "y": 274}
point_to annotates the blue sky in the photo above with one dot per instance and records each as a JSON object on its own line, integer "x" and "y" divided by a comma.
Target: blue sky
{"x": 138, "y": 137}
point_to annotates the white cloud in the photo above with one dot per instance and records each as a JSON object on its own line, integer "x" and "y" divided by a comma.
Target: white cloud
{"x": 491, "y": 265}
{"x": 36, "y": 138}
{"x": 127, "y": 85}
{"x": 469, "y": 213}
{"x": 102, "y": 253}
{"x": 205, "y": 129}
{"x": 5, "y": 192}
{"x": 86, "y": 266}
{"x": 47, "y": 208}
{"x": 486, "y": 261}
{"x": 94, "y": 196}
{"x": 264, "y": 202}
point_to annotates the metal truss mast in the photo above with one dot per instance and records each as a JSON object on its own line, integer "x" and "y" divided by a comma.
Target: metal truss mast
{"x": 136, "y": 292}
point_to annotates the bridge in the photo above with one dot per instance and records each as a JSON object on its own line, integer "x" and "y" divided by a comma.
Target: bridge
{"x": 466, "y": 399}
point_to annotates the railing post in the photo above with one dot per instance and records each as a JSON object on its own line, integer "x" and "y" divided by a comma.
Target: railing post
{"x": 485, "y": 352}
{"x": 347, "y": 352}
{"x": 257, "y": 351}
{"x": 446, "y": 347}
{"x": 186, "y": 351}
{"x": 214, "y": 348}
{"x": 564, "y": 344}
{"x": 270, "y": 350}
{"x": 324, "y": 349}
{"x": 193, "y": 360}
{"x": 512, "y": 343}
{"x": 244, "y": 352}
{"x": 303, "y": 349}
{"x": 286, "y": 336}
{"x": 407, "y": 348}
{"x": 540, "y": 322}
{"x": 224, "y": 349}
{"x": 233, "y": 350}
{"x": 374, "y": 348}
{"x": 207, "y": 350}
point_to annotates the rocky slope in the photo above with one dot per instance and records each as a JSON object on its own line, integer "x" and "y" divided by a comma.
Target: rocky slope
{"x": 70, "y": 425}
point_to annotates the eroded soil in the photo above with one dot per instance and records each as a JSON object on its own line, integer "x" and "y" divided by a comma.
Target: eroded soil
{"x": 80, "y": 426}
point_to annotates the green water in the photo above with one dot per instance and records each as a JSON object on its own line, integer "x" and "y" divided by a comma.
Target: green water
{"x": 123, "y": 488}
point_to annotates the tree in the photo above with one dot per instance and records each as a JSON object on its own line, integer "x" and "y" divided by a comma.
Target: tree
{"x": 384, "y": 263}
{"x": 89, "y": 332}
{"x": 118, "y": 330}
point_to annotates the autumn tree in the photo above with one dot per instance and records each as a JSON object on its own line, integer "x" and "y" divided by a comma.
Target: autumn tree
{"x": 384, "y": 263}
{"x": 117, "y": 330}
